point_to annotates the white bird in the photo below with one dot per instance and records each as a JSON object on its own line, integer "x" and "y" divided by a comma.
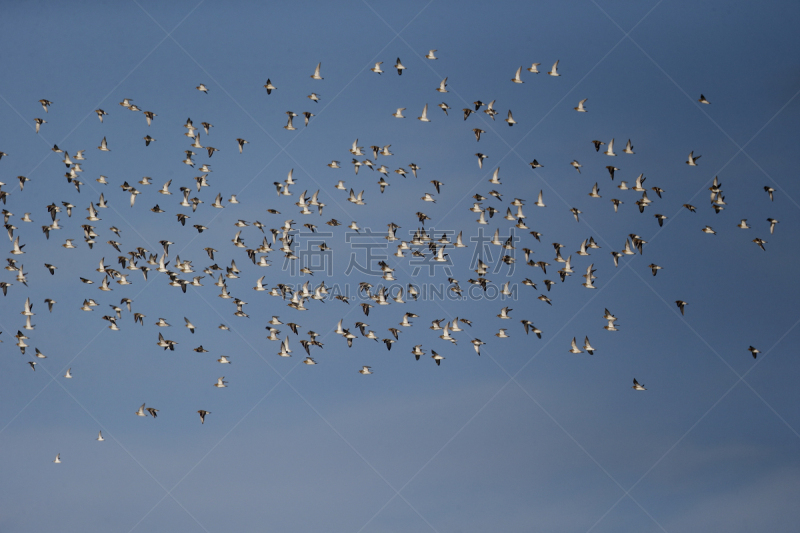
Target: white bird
{"x": 628, "y": 148}
{"x": 57, "y": 459}
{"x": 430, "y": 54}
{"x": 516, "y": 78}
{"x": 442, "y": 85}
{"x": 692, "y": 160}
{"x": 424, "y": 117}
{"x": 377, "y": 67}
{"x": 554, "y": 70}
{"x": 100, "y": 436}
{"x": 575, "y": 348}
{"x": 220, "y": 383}
{"x": 510, "y": 119}
{"x": 365, "y": 370}
{"x": 587, "y": 346}
{"x": 580, "y": 107}
{"x": 316, "y": 75}
{"x": 399, "y": 112}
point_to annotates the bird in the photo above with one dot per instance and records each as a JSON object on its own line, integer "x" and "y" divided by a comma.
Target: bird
{"x": 681, "y": 305}
{"x": 510, "y": 119}
{"x": 203, "y": 414}
{"x": 516, "y": 78}
{"x": 574, "y": 348}
{"x": 399, "y": 66}
{"x": 221, "y": 382}
{"x": 554, "y": 70}
{"x": 637, "y": 386}
{"x": 442, "y": 86}
{"x": 39, "y": 123}
{"x": 241, "y": 142}
{"x": 424, "y": 117}
{"x": 754, "y": 351}
{"x": 582, "y": 109}
{"x": 399, "y": 112}
{"x": 366, "y": 370}
{"x": 103, "y": 145}
{"x": 57, "y": 459}
{"x": 269, "y": 87}
{"x": 377, "y": 67}
{"x": 692, "y": 160}
{"x": 772, "y": 223}
{"x": 100, "y": 436}
{"x": 430, "y": 54}
{"x": 587, "y": 346}
{"x": 628, "y": 148}
{"x": 202, "y": 87}
{"x": 703, "y": 100}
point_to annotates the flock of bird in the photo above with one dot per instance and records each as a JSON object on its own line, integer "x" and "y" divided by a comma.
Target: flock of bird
{"x": 284, "y": 239}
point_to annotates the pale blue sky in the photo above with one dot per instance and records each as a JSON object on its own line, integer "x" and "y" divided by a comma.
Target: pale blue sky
{"x": 527, "y": 437}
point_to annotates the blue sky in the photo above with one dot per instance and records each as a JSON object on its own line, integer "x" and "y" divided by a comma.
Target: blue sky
{"x": 526, "y": 437}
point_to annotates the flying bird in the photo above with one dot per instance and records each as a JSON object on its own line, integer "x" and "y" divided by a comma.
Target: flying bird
{"x": 424, "y": 117}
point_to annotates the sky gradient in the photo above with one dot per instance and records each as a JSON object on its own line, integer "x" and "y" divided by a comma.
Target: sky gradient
{"x": 526, "y": 437}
